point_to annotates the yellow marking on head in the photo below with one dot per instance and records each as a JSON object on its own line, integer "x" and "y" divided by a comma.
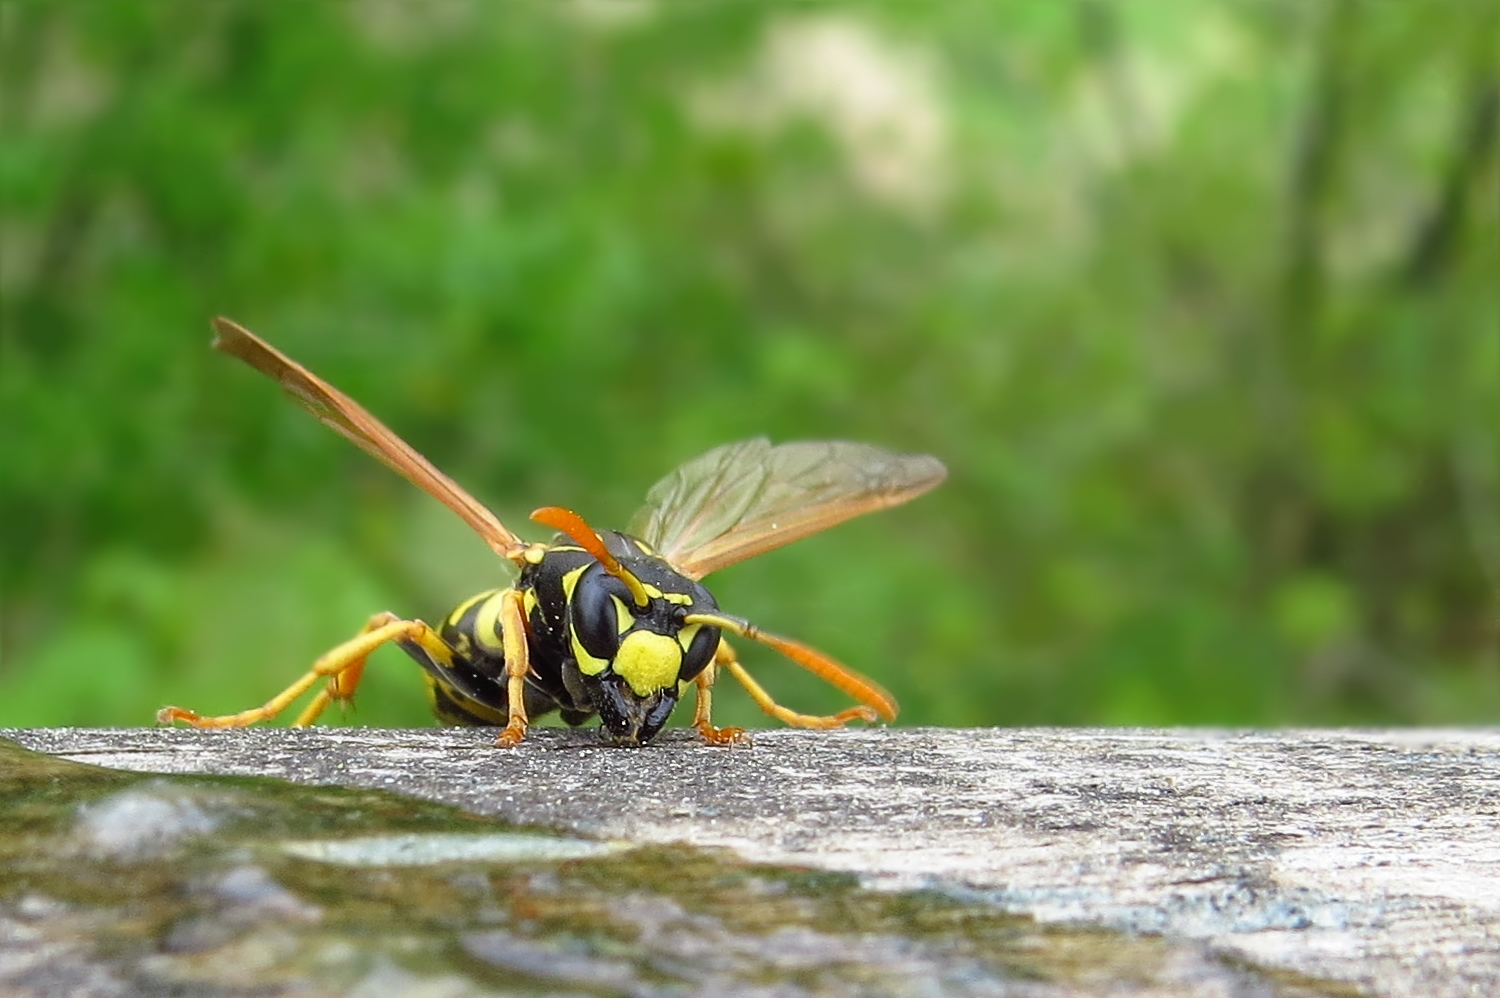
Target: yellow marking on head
{"x": 587, "y": 664}
{"x": 648, "y": 661}
{"x": 487, "y": 624}
{"x": 681, "y": 599}
{"x": 687, "y": 634}
{"x": 528, "y": 602}
{"x": 624, "y": 619}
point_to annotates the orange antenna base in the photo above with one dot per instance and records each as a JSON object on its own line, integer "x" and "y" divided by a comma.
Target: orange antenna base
{"x": 587, "y": 538}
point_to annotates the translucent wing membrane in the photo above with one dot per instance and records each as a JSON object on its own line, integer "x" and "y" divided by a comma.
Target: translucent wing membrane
{"x": 347, "y": 417}
{"x": 742, "y": 499}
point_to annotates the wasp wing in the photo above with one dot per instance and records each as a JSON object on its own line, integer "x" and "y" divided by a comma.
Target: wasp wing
{"x": 746, "y": 498}
{"x": 347, "y": 417}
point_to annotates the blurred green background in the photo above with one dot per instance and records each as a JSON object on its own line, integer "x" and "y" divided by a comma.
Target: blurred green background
{"x": 1198, "y": 301}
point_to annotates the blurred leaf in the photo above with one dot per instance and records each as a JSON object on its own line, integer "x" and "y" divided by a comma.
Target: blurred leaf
{"x": 1196, "y": 300}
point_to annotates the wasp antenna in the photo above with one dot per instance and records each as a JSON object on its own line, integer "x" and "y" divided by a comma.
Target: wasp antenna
{"x": 834, "y": 673}
{"x": 587, "y": 538}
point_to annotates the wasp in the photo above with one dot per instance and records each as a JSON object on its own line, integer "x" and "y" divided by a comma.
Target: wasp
{"x": 611, "y": 623}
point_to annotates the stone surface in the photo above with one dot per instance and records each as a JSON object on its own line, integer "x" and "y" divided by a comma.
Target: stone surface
{"x": 1365, "y": 857}
{"x": 138, "y": 885}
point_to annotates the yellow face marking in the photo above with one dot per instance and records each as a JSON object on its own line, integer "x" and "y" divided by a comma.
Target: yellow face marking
{"x": 624, "y": 619}
{"x": 528, "y": 602}
{"x": 681, "y": 599}
{"x": 587, "y": 664}
{"x": 648, "y": 661}
{"x": 687, "y": 634}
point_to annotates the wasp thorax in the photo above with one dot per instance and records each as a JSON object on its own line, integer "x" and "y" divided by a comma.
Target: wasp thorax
{"x": 633, "y": 658}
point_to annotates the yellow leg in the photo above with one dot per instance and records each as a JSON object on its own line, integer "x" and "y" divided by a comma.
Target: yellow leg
{"x": 705, "y": 682}
{"x": 341, "y": 668}
{"x": 517, "y": 664}
{"x": 342, "y": 684}
{"x": 726, "y": 657}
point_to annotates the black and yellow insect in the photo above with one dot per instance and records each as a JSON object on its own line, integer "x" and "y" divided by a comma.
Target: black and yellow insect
{"x": 614, "y": 624}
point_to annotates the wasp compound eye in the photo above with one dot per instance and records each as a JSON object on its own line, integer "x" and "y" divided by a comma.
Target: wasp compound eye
{"x": 699, "y": 651}
{"x": 595, "y": 616}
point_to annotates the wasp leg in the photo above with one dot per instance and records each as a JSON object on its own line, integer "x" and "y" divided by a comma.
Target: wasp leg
{"x": 517, "y": 664}
{"x": 342, "y": 684}
{"x": 726, "y": 657}
{"x": 341, "y": 668}
{"x": 705, "y": 682}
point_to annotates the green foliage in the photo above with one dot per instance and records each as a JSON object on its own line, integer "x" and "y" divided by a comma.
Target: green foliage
{"x": 1197, "y": 300}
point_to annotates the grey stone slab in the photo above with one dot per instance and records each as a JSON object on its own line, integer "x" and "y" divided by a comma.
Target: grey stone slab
{"x": 1366, "y": 857}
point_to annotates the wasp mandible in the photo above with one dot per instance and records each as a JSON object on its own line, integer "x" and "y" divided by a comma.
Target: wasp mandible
{"x": 608, "y": 623}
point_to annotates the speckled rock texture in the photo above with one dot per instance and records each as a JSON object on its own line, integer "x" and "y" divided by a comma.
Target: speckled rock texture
{"x": 1368, "y": 858}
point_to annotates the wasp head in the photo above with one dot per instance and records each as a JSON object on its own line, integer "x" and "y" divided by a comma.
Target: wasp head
{"x": 627, "y": 623}
{"x": 636, "y": 658}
